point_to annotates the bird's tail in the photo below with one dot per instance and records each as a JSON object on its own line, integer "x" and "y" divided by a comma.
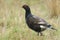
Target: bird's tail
{"x": 53, "y": 29}
{"x": 50, "y": 27}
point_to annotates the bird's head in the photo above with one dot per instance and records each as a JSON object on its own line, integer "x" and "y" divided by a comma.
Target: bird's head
{"x": 26, "y": 7}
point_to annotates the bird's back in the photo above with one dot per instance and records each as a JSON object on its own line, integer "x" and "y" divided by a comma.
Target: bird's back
{"x": 34, "y": 22}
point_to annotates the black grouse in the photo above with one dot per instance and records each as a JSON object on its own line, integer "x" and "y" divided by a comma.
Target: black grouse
{"x": 35, "y": 23}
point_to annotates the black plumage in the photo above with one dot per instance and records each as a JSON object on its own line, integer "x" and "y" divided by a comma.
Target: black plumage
{"x": 35, "y": 23}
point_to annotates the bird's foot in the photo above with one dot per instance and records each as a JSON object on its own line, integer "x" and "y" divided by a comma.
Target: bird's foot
{"x": 40, "y": 34}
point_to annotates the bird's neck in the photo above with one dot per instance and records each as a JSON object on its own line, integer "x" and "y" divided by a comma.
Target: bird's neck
{"x": 27, "y": 12}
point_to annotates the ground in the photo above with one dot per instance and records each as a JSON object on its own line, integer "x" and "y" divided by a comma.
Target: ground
{"x": 13, "y": 25}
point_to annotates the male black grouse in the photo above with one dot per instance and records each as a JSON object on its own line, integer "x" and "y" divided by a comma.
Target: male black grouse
{"x": 35, "y": 23}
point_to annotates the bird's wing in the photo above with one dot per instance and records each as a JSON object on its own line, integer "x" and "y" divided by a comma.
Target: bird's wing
{"x": 37, "y": 21}
{"x": 41, "y": 22}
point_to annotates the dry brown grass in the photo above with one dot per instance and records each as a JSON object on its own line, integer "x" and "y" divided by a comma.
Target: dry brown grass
{"x": 12, "y": 22}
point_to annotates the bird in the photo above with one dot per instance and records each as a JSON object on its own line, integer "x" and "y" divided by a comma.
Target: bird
{"x": 35, "y": 23}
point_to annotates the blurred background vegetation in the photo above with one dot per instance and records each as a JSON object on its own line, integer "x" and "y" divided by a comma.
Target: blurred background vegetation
{"x": 12, "y": 19}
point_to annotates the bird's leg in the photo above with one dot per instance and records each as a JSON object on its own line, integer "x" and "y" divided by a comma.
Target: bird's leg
{"x": 41, "y": 34}
{"x": 38, "y": 34}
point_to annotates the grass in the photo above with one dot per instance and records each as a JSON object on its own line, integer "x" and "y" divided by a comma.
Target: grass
{"x": 12, "y": 21}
